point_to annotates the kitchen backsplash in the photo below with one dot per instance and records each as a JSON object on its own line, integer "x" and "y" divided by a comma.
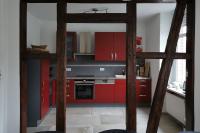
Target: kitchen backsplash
{"x": 96, "y": 69}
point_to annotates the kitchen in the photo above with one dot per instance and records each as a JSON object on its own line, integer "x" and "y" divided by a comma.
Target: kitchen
{"x": 96, "y": 63}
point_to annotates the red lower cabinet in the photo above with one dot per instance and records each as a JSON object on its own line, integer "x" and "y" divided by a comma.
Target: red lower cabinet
{"x": 53, "y": 93}
{"x": 70, "y": 92}
{"x": 104, "y": 93}
{"x": 120, "y": 91}
{"x": 44, "y": 85}
{"x": 143, "y": 91}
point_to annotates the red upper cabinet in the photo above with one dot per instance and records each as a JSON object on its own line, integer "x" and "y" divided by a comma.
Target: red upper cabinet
{"x": 104, "y": 43}
{"x": 71, "y": 45}
{"x": 120, "y": 46}
{"x": 110, "y": 46}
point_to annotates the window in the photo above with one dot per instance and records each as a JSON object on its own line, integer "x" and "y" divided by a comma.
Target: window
{"x": 178, "y": 73}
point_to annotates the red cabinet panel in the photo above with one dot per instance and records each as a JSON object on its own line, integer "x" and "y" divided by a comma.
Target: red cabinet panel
{"x": 44, "y": 92}
{"x": 110, "y": 46}
{"x": 104, "y": 93}
{"x": 120, "y": 91}
{"x": 54, "y": 93}
{"x": 70, "y": 92}
{"x": 143, "y": 91}
{"x": 120, "y": 46}
{"x": 104, "y": 43}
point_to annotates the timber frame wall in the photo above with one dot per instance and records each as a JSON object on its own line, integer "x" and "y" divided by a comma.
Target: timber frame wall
{"x": 130, "y": 19}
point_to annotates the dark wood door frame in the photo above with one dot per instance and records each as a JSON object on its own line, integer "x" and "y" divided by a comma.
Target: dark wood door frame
{"x": 130, "y": 19}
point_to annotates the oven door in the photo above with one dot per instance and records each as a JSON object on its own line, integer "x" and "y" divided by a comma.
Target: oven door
{"x": 84, "y": 91}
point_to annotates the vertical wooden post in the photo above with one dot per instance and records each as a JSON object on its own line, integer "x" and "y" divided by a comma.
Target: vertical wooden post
{"x": 189, "y": 101}
{"x": 156, "y": 109}
{"x": 131, "y": 68}
{"x": 61, "y": 67}
{"x": 23, "y": 72}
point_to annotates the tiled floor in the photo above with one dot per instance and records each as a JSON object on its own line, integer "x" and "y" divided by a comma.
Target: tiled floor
{"x": 94, "y": 119}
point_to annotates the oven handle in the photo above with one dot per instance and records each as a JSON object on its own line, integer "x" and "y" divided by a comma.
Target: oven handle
{"x": 83, "y": 84}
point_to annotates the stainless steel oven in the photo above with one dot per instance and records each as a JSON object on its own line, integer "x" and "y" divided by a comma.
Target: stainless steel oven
{"x": 84, "y": 89}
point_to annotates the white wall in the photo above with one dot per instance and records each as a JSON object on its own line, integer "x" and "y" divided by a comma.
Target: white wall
{"x": 3, "y": 69}
{"x": 153, "y": 45}
{"x": 48, "y": 31}
{"x": 10, "y": 59}
{"x": 33, "y": 29}
{"x": 197, "y": 68}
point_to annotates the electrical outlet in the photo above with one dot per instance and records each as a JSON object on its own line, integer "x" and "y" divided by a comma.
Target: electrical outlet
{"x": 102, "y": 69}
{"x": 68, "y": 69}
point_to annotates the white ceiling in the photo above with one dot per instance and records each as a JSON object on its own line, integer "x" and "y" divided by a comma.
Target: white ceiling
{"x": 144, "y": 11}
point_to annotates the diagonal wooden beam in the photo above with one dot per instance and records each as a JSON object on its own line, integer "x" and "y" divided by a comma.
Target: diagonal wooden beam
{"x": 164, "y": 74}
{"x": 189, "y": 101}
{"x": 61, "y": 65}
{"x": 96, "y": 18}
{"x": 131, "y": 69}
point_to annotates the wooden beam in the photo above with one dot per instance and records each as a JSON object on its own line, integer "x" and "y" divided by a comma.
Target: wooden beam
{"x": 131, "y": 68}
{"x": 189, "y": 101}
{"x": 161, "y": 55}
{"x": 23, "y": 69}
{"x": 96, "y": 18}
{"x": 61, "y": 67}
{"x": 161, "y": 88}
{"x": 102, "y": 1}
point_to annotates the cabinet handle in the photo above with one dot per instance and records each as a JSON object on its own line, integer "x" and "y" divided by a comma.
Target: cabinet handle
{"x": 143, "y": 81}
{"x": 68, "y": 95}
{"x": 143, "y": 86}
{"x": 142, "y": 95}
{"x": 111, "y": 56}
{"x": 115, "y": 56}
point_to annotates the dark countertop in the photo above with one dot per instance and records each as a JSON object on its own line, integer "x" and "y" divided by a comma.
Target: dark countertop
{"x": 112, "y": 78}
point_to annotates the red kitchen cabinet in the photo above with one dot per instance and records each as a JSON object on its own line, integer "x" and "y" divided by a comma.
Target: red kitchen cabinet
{"x": 104, "y": 43}
{"x": 44, "y": 73}
{"x": 104, "y": 93}
{"x": 110, "y": 46}
{"x": 120, "y": 91}
{"x": 53, "y": 93}
{"x": 120, "y": 46}
{"x": 143, "y": 91}
{"x": 70, "y": 92}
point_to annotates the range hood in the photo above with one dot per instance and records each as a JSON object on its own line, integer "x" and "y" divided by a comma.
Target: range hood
{"x": 85, "y": 43}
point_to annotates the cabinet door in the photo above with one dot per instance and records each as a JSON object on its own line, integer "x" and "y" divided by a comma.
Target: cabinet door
{"x": 104, "y": 46}
{"x": 71, "y": 45}
{"x": 143, "y": 92}
{"x": 44, "y": 92}
{"x": 120, "y": 46}
{"x": 54, "y": 93}
{"x": 70, "y": 92}
{"x": 120, "y": 91}
{"x": 104, "y": 93}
